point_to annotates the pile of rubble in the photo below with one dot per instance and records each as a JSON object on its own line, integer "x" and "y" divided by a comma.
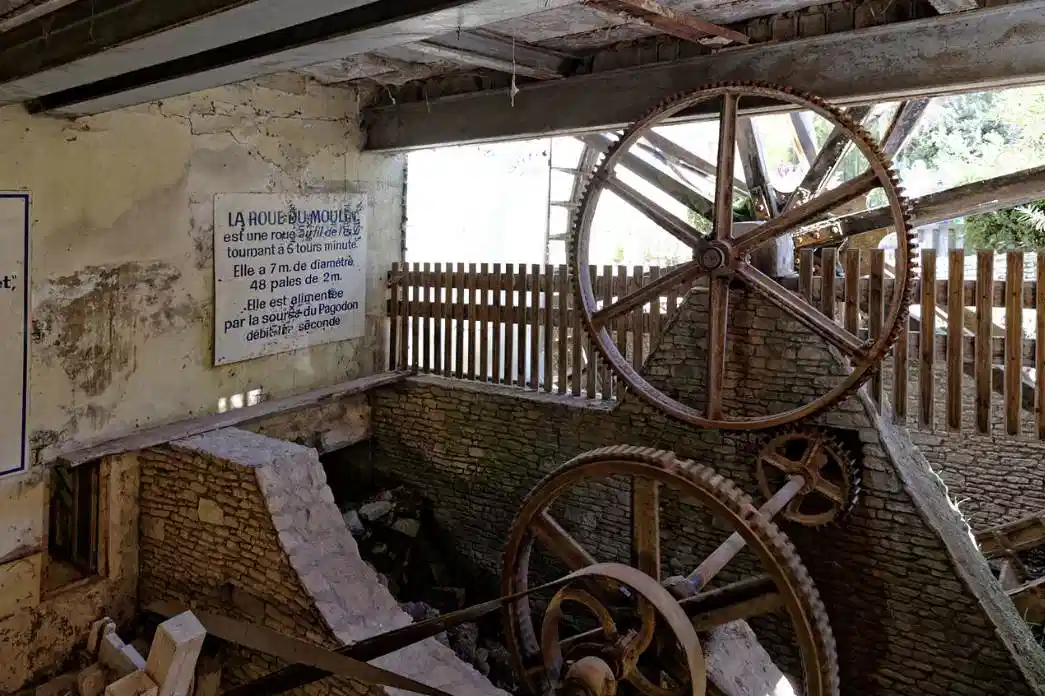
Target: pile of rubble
{"x": 399, "y": 539}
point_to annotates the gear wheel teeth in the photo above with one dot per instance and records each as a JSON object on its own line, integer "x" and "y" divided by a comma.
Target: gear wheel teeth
{"x": 904, "y": 215}
{"x": 838, "y": 451}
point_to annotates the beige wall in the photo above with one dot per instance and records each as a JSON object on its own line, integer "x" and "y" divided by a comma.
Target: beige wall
{"x": 122, "y": 271}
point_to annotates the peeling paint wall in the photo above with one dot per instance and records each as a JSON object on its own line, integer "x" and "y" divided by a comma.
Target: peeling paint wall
{"x": 122, "y": 271}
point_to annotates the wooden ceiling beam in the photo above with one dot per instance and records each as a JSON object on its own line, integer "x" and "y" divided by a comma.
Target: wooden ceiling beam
{"x": 926, "y": 57}
{"x": 485, "y": 49}
{"x": 683, "y": 25}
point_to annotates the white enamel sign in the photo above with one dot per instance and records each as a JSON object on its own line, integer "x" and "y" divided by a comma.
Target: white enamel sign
{"x": 289, "y": 272}
{"x": 14, "y": 339}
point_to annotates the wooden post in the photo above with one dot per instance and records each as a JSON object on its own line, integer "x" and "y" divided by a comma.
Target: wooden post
{"x": 608, "y": 387}
{"x": 984, "y": 329}
{"x": 805, "y": 274}
{"x": 473, "y": 320}
{"x": 535, "y": 326}
{"x": 459, "y": 322}
{"x": 624, "y": 320}
{"x": 827, "y": 282}
{"x": 521, "y": 326}
{"x": 637, "y": 321}
{"x": 563, "y": 316}
{"x": 437, "y": 317}
{"x": 955, "y": 336}
{"x": 549, "y": 293}
{"x": 591, "y": 388}
{"x": 484, "y": 322}
{"x": 852, "y": 291}
{"x": 426, "y": 315}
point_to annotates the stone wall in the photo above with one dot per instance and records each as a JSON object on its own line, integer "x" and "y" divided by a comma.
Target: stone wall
{"x": 913, "y": 605}
{"x": 994, "y": 478}
{"x": 39, "y": 631}
{"x": 122, "y": 284}
{"x": 245, "y": 526}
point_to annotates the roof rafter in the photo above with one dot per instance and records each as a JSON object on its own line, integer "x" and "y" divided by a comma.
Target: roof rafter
{"x": 684, "y": 25}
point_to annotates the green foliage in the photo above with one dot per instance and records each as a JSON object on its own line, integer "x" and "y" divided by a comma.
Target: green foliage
{"x": 1019, "y": 228}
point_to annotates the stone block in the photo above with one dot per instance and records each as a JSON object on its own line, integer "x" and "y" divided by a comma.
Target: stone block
{"x": 173, "y": 654}
{"x": 90, "y": 681}
{"x": 134, "y": 684}
{"x": 210, "y": 512}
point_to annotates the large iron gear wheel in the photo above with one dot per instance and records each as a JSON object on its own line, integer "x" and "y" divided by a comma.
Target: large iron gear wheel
{"x": 724, "y": 258}
{"x": 786, "y": 584}
{"x": 832, "y": 475}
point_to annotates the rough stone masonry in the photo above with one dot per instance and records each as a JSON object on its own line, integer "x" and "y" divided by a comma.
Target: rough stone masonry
{"x": 245, "y": 526}
{"x": 913, "y": 605}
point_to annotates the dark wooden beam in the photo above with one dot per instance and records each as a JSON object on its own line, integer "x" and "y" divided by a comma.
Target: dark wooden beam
{"x": 684, "y": 25}
{"x": 753, "y": 160}
{"x": 233, "y": 46}
{"x": 673, "y": 151}
{"x": 940, "y": 55}
{"x": 485, "y": 49}
{"x": 904, "y": 122}
{"x": 978, "y": 197}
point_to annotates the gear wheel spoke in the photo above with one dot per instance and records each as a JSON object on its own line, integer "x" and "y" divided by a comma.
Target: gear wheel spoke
{"x": 726, "y": 257}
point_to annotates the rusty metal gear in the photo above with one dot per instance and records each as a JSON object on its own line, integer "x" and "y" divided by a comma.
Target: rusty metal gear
{"x": 864, "y": 354}
{"x": 832, "y": 475}
{"x": 541, "y": 660}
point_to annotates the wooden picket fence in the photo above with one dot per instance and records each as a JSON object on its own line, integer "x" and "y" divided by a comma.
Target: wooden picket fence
{"x": 516, "y": 324}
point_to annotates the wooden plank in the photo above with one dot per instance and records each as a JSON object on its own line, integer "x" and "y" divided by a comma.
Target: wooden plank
{"x": 828, "y": 260}
{"x": 459, "y": 285}
{"x": 955, "y": 332}
{"x": 510, "y": 319}
{"x": 426, "y": 321}
{"x": 1039, "y": 355}
{"x": 900, "y": 360}
{"x": 876, "y": 312}
{"x": 437, "y": 319}
{"x": 77, "y": 453}
{"x": 472, "y": 322}
{"x": 549, "y": 294}
{"x": 1013, "y": 342}
{"x": 620, "y": 289}
{"x": 484, "y": 322}
{"x": 608, "y": 386}
{"x": 497, "y": 283}
{"x": 535, "y": 326}
{"x": 984, "y": 328}
{"x": 927, "y": 336}
{"x": 852, "y": 291}
{"x": 562, "y": 352}
{"x": 636, "y": 321}
{"x": 654, "y": 311}
{"x": 577, "y": 344}
{"x": 805, "y": 274}
{"x": 412, "y": 304}
{"x": 521, "y": 326}
{"x": 591, "y": 368}
{"x": 447, "y": 318}
{"x": 394, "y": 287}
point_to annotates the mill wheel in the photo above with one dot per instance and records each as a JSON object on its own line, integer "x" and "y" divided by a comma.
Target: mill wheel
{"x": 725, "y": 257}
{"x": 628, "y": 635}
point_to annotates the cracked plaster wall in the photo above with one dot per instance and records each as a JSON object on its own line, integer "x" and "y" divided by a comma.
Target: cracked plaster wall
{"x": 122, "y": 286}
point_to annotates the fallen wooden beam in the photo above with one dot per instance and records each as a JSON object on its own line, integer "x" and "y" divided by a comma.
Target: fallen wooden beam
{"x": 76, "y": 454}
{"x": 1023, "y": 534}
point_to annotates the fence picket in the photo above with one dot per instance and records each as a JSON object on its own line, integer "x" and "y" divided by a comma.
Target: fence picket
{"x": 608, "y": 386}
{"x": 620, "y": 290}
{"x": 483, "y": 334}
{"x": 459, "y": 285}
{"x": 535, "y": 327}
{"x": 497, "y": 283}
{"x": 437, "y": 318}
{"x": 984, "y": 328}
{"x": 520, "y": 326}
{"x": 1013, "y": 341}
{"x": 852, "y": 291}
{"x": 446, "y": 290}
{"x": 426, "y": 316}
{"x": 509, "y": 325}
{"x": 654, "y": 311}
{"x": 927, "y": 340}
{"x": 394, "y": 286}
{"x": 955, "y": 333}
{"x": 805, "y": 274}
{"x": 591, "y": 360}
{"x": 549, "y": 292}
{"x": 578, "y": 341}
{"x": 828, "y": 262}
{"x": 1039, "y": 355}
{"x": 563, "y": 308}
{"x": 876, "y": 311}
